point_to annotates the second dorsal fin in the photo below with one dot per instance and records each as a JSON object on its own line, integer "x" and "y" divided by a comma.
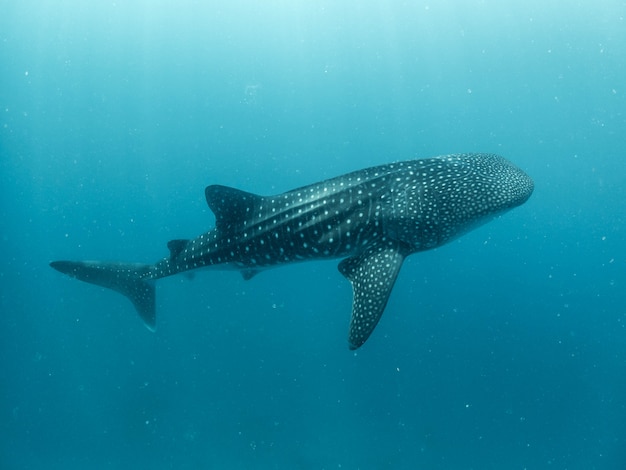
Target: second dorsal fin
{"x": 176, "y": 247}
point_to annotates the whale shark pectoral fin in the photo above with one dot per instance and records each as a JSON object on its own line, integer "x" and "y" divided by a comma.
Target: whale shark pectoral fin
{"x": 372, "y": 274}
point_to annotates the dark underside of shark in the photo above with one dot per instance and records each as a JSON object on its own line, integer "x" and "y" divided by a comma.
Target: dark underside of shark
{"x": 371, "y": 218}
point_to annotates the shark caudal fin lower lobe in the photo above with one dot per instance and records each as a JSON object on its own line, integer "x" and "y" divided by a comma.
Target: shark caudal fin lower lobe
{"x": 125, "y": 278}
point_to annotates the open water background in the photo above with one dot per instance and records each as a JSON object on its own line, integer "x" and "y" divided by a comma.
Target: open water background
{"x": 505, "y": 349}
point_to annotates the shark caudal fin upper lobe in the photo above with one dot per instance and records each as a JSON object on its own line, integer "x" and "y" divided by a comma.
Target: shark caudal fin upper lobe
{"x": 125, "y": 278}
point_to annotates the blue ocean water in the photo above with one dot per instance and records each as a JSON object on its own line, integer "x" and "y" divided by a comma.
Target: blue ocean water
{"x": 505, "y": 349}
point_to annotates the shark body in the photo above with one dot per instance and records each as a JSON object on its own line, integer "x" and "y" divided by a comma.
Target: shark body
{"x": 371, "y": 218}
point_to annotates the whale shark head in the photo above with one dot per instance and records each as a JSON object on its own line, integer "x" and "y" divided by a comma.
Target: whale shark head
{"x": 442, "y": 198}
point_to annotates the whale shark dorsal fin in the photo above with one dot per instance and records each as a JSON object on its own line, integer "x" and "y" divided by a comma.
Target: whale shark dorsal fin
{"x": 176, "y": 247}
{"x": 230, "y": 205}
{"x": 372, "y": 274}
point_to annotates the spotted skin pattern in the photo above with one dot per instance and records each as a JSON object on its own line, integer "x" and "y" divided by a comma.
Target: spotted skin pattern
{"x": 372, "y": 218}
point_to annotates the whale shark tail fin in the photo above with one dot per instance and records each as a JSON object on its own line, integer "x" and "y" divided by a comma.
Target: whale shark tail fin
{"x": 125, "y": 278}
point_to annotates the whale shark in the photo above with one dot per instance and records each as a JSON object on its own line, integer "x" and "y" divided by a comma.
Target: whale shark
{"x": 371, "y": 219}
